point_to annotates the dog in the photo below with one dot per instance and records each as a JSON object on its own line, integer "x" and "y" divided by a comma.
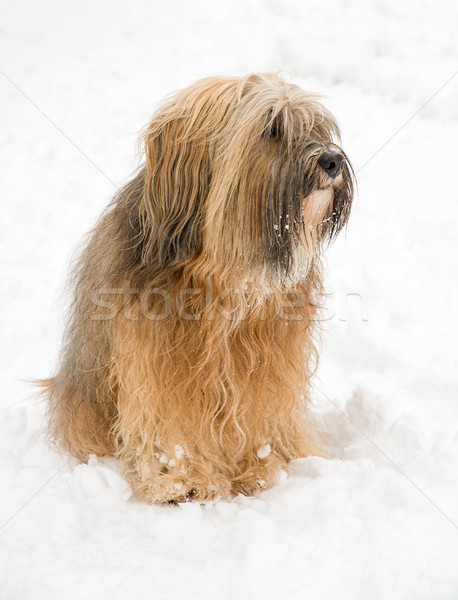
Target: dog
{"x": 191, "y": 341}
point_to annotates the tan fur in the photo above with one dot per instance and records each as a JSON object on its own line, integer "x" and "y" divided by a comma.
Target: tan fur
{"x": 191, "y": 341}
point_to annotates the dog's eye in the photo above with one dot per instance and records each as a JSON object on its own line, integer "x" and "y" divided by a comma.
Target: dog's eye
{"x": 275, "y": 128}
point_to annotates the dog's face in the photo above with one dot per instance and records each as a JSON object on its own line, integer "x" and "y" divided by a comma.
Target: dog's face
{"x": 245, "y": 176}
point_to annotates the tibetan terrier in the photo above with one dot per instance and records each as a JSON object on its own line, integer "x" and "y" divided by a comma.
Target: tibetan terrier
{"x": 191, "y": 339}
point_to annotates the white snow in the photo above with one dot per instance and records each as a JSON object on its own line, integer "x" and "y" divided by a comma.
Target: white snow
{"x": 377, "y": 519}
{"x": 263, "y": 451}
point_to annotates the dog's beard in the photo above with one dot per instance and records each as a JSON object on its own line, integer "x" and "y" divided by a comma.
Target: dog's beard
{"x": 317, "y": 205}
{"x": 310, "y": 218}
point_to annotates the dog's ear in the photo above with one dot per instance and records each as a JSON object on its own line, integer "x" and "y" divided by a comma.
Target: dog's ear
{"x": 177, "y": 177}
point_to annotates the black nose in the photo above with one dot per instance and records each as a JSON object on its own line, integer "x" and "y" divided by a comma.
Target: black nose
{"x": 331, "y": 163}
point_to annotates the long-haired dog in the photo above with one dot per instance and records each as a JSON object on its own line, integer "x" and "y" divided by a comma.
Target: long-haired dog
{"x": 191, "y": 340}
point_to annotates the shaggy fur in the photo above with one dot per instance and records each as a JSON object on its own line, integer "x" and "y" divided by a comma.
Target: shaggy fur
{"x": 191, "y": 340}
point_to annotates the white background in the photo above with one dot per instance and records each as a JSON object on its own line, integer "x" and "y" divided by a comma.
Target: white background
{"x": 378, "y": 519}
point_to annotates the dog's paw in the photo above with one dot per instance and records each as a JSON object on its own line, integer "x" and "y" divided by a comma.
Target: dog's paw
{"x": 260, "y": 477}
{"x": 174, "y": 489}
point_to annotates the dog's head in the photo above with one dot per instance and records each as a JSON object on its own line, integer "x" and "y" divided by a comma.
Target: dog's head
{"x": 245, "y": 175}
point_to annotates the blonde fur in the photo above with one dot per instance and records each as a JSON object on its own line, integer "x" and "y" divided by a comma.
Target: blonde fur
{"x": 191, "y": 340}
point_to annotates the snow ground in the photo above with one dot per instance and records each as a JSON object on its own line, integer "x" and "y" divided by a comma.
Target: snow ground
{"x": 379, "y": 519}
